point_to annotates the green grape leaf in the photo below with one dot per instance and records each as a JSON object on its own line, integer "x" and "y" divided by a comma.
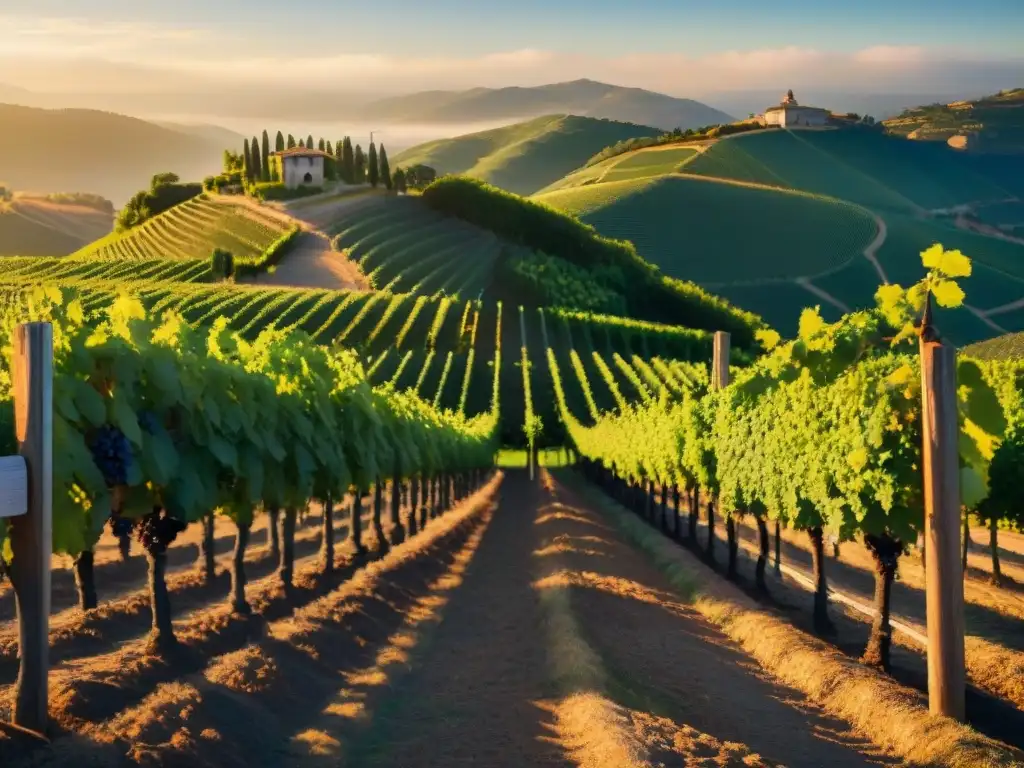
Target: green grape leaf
{"x": 947, "y": 293}
{"x": 89, "y": 403}
{"x": 124, "y": 418}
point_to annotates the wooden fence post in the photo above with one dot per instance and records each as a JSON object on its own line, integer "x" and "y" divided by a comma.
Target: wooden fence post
{"x": 720, "y": 368}
{"x": 945, "y": 588}
{"x": 32, "y": 533}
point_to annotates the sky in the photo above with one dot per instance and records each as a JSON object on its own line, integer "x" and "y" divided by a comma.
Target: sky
{"x": 675, "y": 46}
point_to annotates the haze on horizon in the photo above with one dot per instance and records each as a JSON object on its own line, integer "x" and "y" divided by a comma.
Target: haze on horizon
{"x": 394, "y": 46}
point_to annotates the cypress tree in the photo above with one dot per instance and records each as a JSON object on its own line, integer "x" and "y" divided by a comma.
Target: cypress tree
{"x": 309, "y": 141}
{"x": 399, "y": 180}
{"x": 256, "y": 165}
{"x": 330, "y": 149}
{"x": 246, "y": 160}
{"x": 291, "y": 141}
{"x": 385, "y": 167}
{"x": 371, "y": 166}
{"x": 279, "y": 142}
{"x": 348, "y": 162}
{"x": 265, "y": 157}
{"x": 321, "y": 146}
{"x": 302, "y": 143}
{"x": 360, "y": 166}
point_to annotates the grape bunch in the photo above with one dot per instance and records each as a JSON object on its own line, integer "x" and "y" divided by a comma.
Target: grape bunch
{"x": 157, "y": 530}
{"x": 121, "y": 526}
{"x": 112, "y": 453}
{"x": 148, "y": 422}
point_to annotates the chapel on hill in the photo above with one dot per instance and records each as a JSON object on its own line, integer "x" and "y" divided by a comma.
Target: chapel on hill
{"x": 789, "y": 113}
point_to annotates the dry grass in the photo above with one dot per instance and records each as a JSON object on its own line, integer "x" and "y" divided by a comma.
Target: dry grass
{"x": 892, "y": 716}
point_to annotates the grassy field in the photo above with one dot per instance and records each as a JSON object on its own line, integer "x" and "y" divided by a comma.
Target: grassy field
{"x": 191, "y": 231}
{"x": 719, "y": 234}
{"x": 404, "y": 246}
{"x": 862, "y": 166}
{"x": 524, "y": 157}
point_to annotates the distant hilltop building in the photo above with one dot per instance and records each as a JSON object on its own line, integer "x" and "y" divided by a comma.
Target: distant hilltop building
{"x": 300, "y": 167}
{"x": 789, "y": 113}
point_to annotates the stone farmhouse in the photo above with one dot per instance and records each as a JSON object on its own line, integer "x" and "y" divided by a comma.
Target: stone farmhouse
{"x": 299, "y": 167}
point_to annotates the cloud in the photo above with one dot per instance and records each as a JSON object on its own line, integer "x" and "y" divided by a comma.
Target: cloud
{"x": 65, "y": 37}
{"x": 77, "y": 54}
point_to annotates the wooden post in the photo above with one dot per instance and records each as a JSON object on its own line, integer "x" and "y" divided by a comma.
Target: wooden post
{"x": 945, "y": 588}
{"x": 720, "y": 368}
{"x": 31, "y": 534}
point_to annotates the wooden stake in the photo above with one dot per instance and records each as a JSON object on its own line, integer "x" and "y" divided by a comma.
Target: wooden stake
{"x": 720, "y": 368}
{"x": 32, "y": 534}
{"x": 945, "y": 589}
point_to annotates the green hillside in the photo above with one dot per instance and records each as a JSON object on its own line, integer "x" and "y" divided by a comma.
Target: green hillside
{"x": 864, "y": 166}
{"x": 718, "y": 234}
{"x": 991, "y": 124}
{"x": 524, "y": 157}
{"x": 191, "y": 231}
{"x": 643, "y": 163}
{"x": 798, "y": 236}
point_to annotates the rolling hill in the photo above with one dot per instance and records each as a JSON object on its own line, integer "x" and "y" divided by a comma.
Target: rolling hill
{"x": 579, "y": 97}
{"x": 79, "y": 150}
{"x": 778, "y": 220}
{"x": 991, "y": 124}
{"x": 40, "y": 227}
{"x": 524, "y": 157}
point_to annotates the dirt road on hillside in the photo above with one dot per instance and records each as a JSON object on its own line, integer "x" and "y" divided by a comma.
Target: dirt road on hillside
{"x": 313, "y": 263}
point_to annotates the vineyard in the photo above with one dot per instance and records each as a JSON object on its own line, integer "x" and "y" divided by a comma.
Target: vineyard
{"x": 404, "y": 247}
{"x": 282, "y": 533}
{"x": 191, "y": 231}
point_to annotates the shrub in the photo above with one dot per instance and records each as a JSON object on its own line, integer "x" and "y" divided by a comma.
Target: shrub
{"x": 266, "y": 260}
{"x": 164, "y": 193}
{"x": 275, "y": 190}
{"x": 222, "y": 263}
{"x": 648, "y": 293}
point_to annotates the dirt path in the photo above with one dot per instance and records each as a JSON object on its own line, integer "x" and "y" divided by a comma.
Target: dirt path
{"x": 689, "y": 693}
{"x": 312, "y": 263}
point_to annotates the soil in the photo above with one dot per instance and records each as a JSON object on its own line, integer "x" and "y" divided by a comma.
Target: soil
{"x": 441, "y": 654}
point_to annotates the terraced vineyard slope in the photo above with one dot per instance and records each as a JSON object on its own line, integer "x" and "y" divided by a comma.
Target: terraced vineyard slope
{"x": 192, "y": 230}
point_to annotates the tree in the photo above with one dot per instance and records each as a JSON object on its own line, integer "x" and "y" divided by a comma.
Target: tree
{"x": 246, "y": 160}
{"x": 302, "y": 143}
{"x": 330, "y": 149}
{"x": 309, "y": 141}
{"x": 372, "y": 170}
{"x": 359, "y": 176}
{"x": 385, "y": 167}
{"x": 399, "y": 180}
{"x": 279, "y": 142}
{"x": 265, "y": 157}
{"x": 348, "y": 162}
{"x": 256, "y": 164}
{"x": 321, "y": 145}
{"x": 291, "y": 141}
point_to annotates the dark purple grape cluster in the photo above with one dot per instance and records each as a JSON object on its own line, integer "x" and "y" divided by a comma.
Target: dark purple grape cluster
{"x": 121, "y": 526}
{"x": 148, "y": 422}
{"x": 112, "y": 453}
{"x": 157, "y": 530}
